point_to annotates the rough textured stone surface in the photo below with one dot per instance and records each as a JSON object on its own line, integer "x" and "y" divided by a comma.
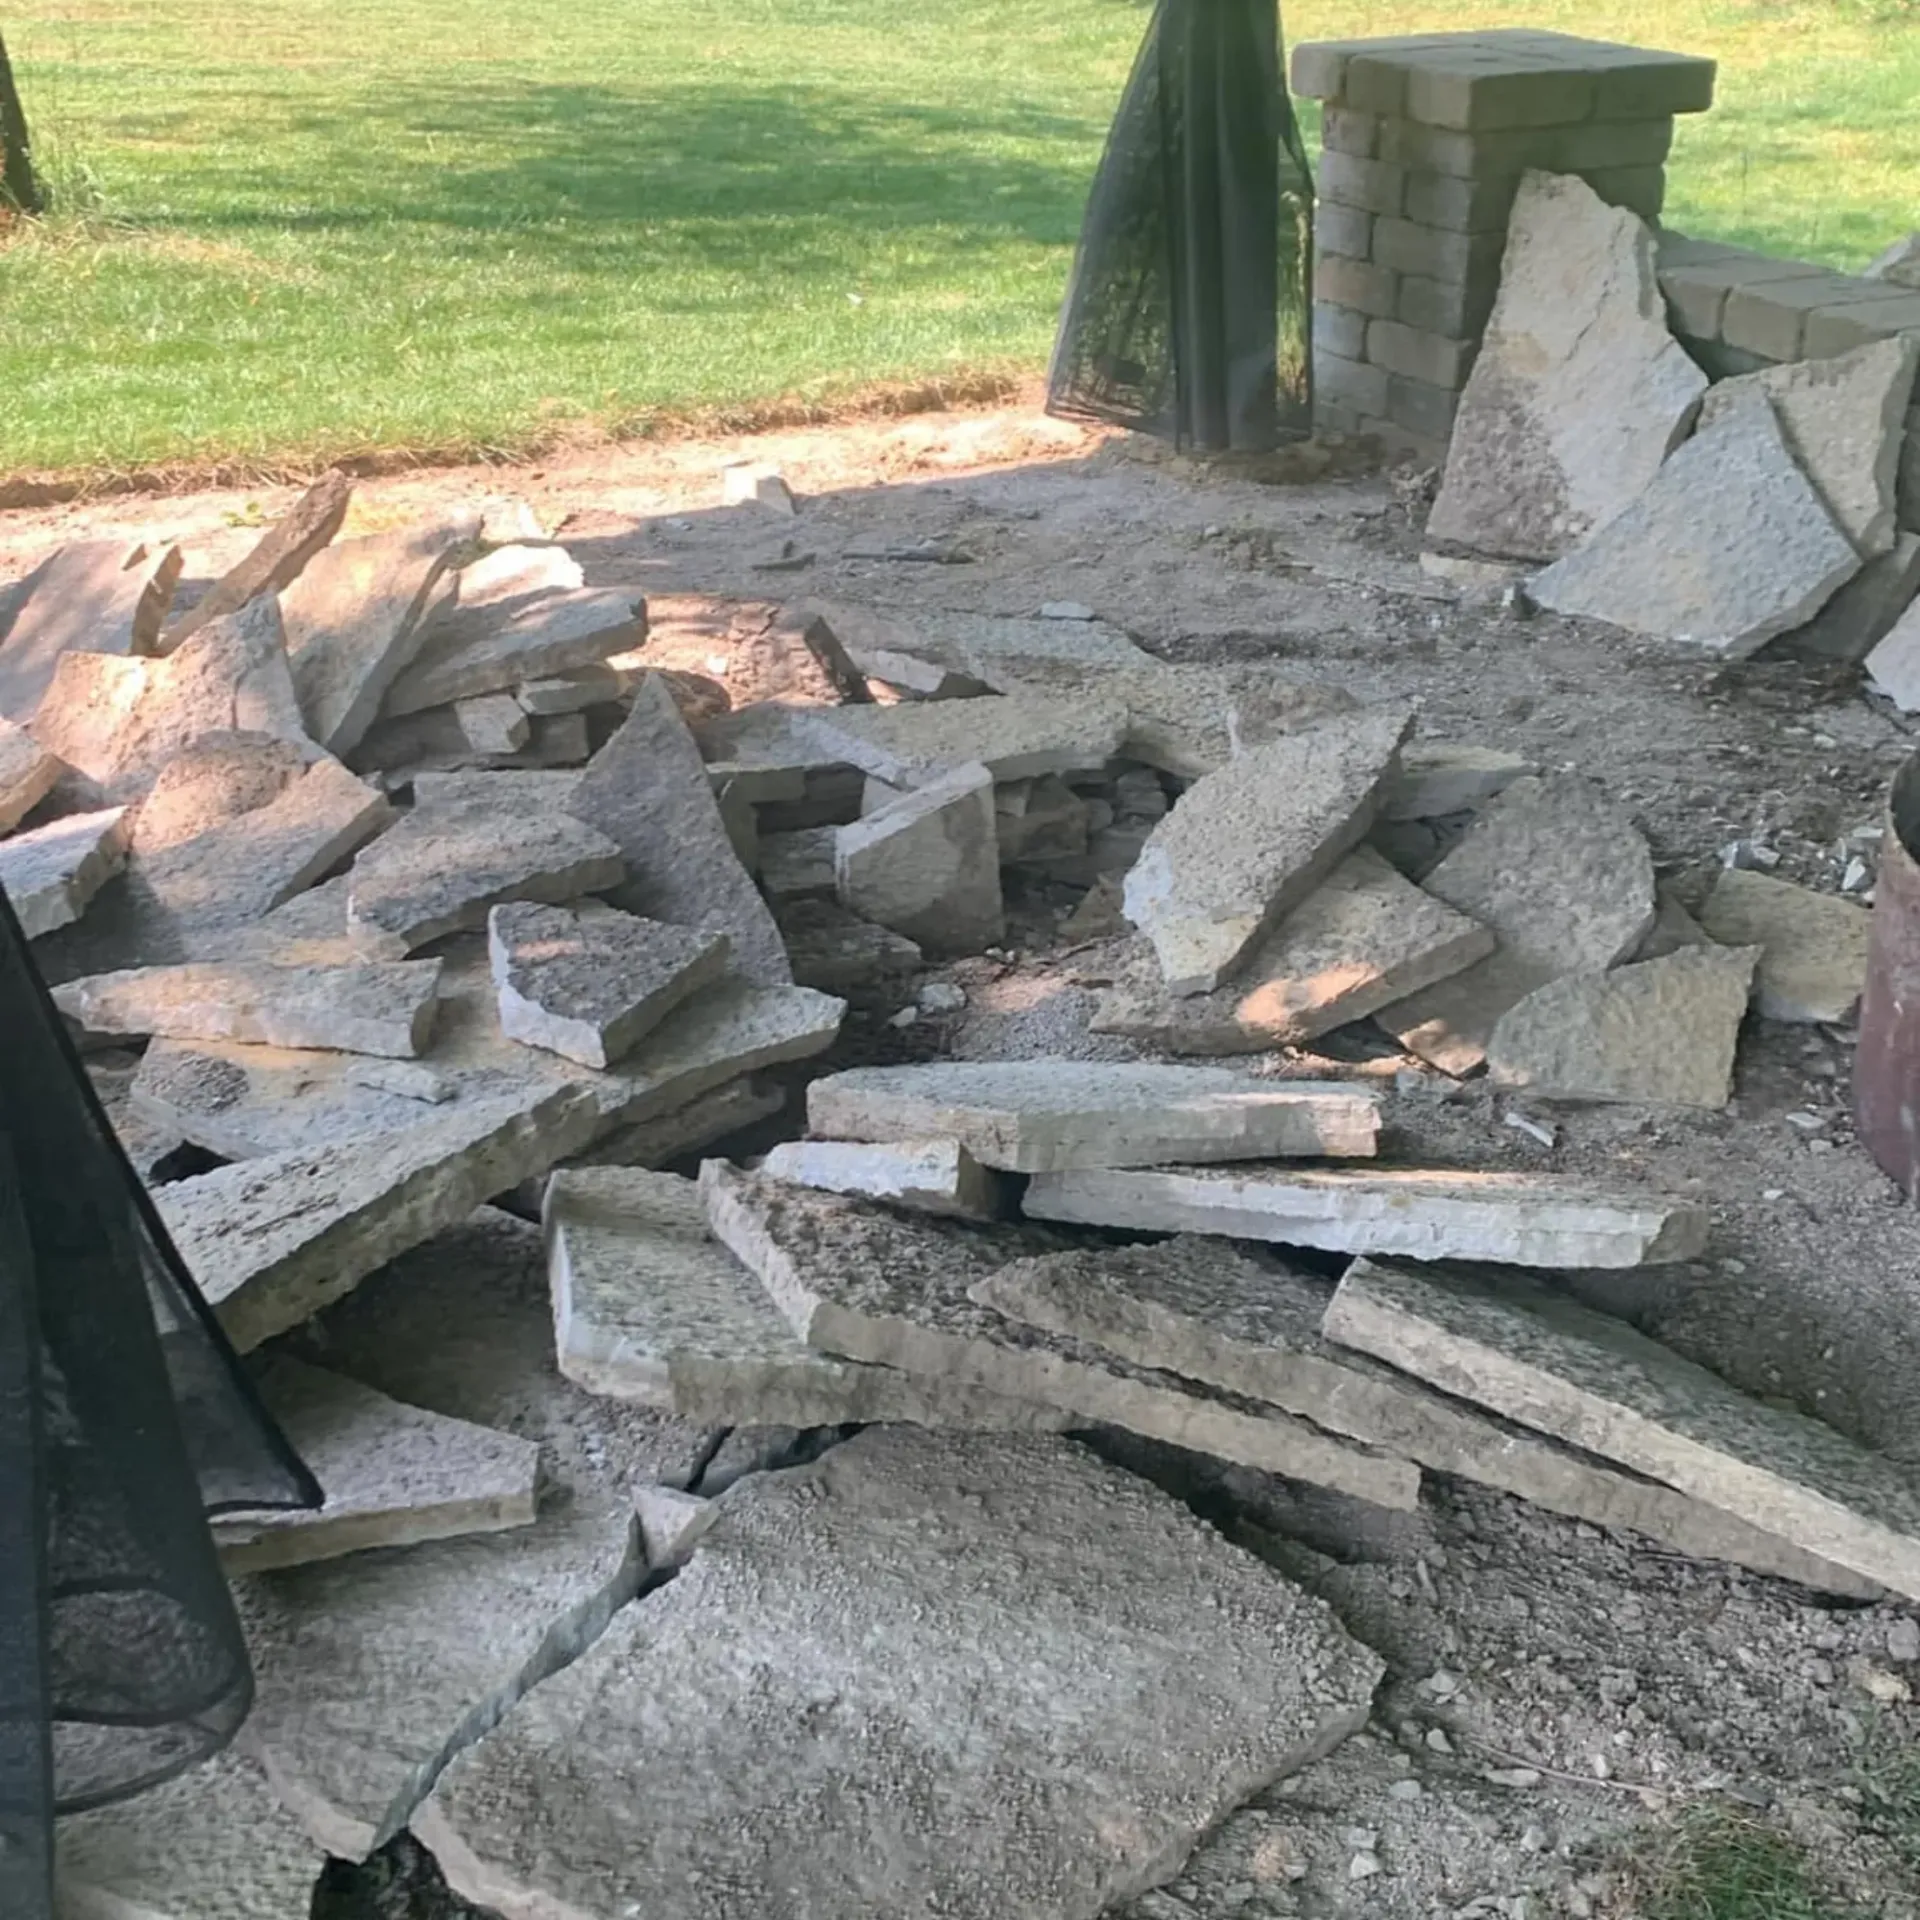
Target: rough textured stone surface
{"x": 1900, "y": 263}
{"x": 1564, "y": 879}
{"x": 672, "y": 1523}
{"x": 1363, "y": 939}
{"x": 1813, "y": 946}
{"x": 1246, "y": 844}
{"x": 28, "y": 773}
{"x": 50, "y": 874}
{"x": 95, "y": 596}
{"x": 485, "y": 649}
{"x": 712, "y": 1116}
{"x": 1520, "y": 1219}
{"x": 649, "y": 793}
{"x": 512, "y": 571}
{"x": 592, "y": 984}
{"x": 1893, "y": 664}
{"x": 928, "y": 864}
{"x": 1661, "y": 1031}
{"x": 931, "y": 1176}
{"x": 1579, "y": 392}
{"x": 918, "y": 740}
{"x": 1854, "y": 622}
{"x": 1598, "y": 1384}
{"x": 378, "y": 1008}
{"x": 492, "y": 723}
{"x": 756, "y": 650}
{"x": 858, "y": 1280}
{"x": 1141, "y": 1679}
{"x": 1729, "y": 546}
{"x": 796, "y": 865}
{"x": 1436, "y": 779}
{"x": 393, "y": 1475}
{"x": 1029, "y": 1116}
{"x": 838, "y": 952}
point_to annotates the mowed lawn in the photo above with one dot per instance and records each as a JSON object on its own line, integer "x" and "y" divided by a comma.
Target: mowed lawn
{"x": 318, "y": 227}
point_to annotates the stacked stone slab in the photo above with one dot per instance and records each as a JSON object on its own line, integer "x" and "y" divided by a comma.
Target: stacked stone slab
{"x": 1425, "y": 140}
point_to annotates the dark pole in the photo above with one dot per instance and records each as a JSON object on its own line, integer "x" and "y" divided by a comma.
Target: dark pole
{"x": 18, "y": 187}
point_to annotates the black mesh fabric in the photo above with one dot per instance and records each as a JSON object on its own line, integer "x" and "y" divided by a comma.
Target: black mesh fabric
{"x": 125, "y": 1419}
{"x": 1190, "y": 310}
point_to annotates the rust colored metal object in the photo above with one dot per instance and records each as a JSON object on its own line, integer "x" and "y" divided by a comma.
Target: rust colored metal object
{"x": 1886, "y": 1084}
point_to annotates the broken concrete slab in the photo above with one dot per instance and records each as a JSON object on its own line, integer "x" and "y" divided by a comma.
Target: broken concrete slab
{"x": 648, "y": 791}
{"x": 1122, "y": 1729}
{"x": 1893, "y": 665}
{"x": 869, "y": 1284}
{"x": 1844, "y": 420}
{"x": 1854, "y": 622}
{"x": 1244, "y": 846}
{"x": 838, "y": 952}
{"x": 1363, "y": 939}
{"x": 1519, "y": 1219}
{"x": 1813, "y": 946}
{"x": 756, "y": 650}
{"x": 930, "y": 1176}
{"x": 591, "y": 985}
{"x": 1030, "y": 1116}
{"x": 94, "y": 596}
{"x": 393, "y": 1475}
{"x": 1598, "y": 1384}
{"x": 767, "y": 752}
{"x": 49, "y": 875}
{"x": 1579, "y": 392}
{"x": 1661, "y": 1032}
{"x": 927, "y": 864}
{"x": 1729, "y": 547}
{"x": 1436, "y": 779}
{"x": 796, "y": 865}
{"x": 1014, "y": 739}
{"x": 513, "y": 571}
{"x": 28, "y": 773}
{"x": 1587, "y": 902}
{"x": 371, "y": 1008}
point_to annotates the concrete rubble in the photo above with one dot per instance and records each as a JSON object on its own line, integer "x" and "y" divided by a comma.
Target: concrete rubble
{"x": 929, "y": 1176}
{"x": 1813, "y": 946}
{"x": 97, "y": 596}
{"x": 927, "y": 864}
{"x": 28, "y": 773}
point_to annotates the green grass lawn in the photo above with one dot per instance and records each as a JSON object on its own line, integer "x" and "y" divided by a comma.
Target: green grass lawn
{"x": 324, "y": 226}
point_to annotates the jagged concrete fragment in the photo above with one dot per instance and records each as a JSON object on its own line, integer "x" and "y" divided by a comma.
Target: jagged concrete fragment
{"x": 95, "y": 596}
{"x": 1245, "y": 845}
{"x": 648, "y": 792}
{"x": 1813, "y": 946}
{"x": 918, "y": 740}
{"x": 1598, "y": 1384}
{"x": 1729, "y": 546}
{"x": 50, "y": 874}
{"x": 1030, "y": 1116}
{"x": 672, "y": 1523}
{"x": 1203, "y": 1310}
{"x": 378, "y": 1008}
{"x": 1363, "y": 939}
{"x": 1854, "y": 622}
{"x": 796, "y": 865}
{"x": 869, "y": 1284}
{"x": 1436, "y": 779}
{"x": 355, "y": 618}
{"x": 273, "y": 1240}
{"x": 591, "y": 985}
{"x": 930, "y": 1176}
{"x": 1145, "y": 1677}
{"x": 486, "y": 649}
{"x": 1564, "y": 879}
{"x": 1660, "y": 1031}
{"x": 928, "y": 864}
{"x": 647, "y": 1307}
{"x": 1893, "y": 665}
{"x": 28, "y": 773}
{"x": 838, "y": 952}
{"x": 510, "y": 572}
{"x": 1579, "y": 392}
{"x": 448, "y": 862}
{"x": 1513, "y": 1218}
{"x": 393, "y": 1475}
{"x": 1844, "y": 420}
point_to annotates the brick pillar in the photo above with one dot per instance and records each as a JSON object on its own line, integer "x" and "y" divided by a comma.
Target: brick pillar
{"x": 1425, "y": 141}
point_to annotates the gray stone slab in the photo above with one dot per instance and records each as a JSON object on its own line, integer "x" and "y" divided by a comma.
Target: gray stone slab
{"x": 648, "y": 1307}
{"x": 838, "y": 952}
{"x": 1564, "y": 879}
{"x": 649, "y": 793}
{"x": 927, "y": 864}
{"x": 1579, "y": 392}
{"x": 592, "y": 984}
{"x": 869, "y": 1284}
{"x": 28, "y": 773}
{"x": 50, "y": 874}
{"x": 1813, "y": 946}
{"x": 1029, "y": 1116}
{"x": 393, "y": 1475}
{"x": 930, "y": 1176}
{"x": 1854, "y": 622}
{"x": 1245, "y": 845}
{"x": 1729, "y": 547}
{"x": 1598, "y": 1384}
{"x": 720, "y": 1751}
{"x": 383, "y": 1008}
{"x": 768, "y": 749}
{"x": 487, "y": 649}
{"x": 599, "y": 685}
{"x": 728, "y": 1109}
{"x": 492, "y": 723}
{"x": 1365, "y": 938}
{"x": 1437, "y": 778}
{"x": 918, "y": 740}
{"x": 1516, "y": 1218}
{"x": 94, "y": 596}
{"x": 514, "y": 570}
{"x": 796, "y": 866}
{"x": 1893, "y": 665}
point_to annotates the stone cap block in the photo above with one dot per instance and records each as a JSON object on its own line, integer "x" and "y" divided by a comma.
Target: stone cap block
{"x": 1770, "y": 317}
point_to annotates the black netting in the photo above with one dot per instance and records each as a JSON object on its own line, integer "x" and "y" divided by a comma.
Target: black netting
{"x": 124, "y": 1420}
{"x": 1190, "y": 310}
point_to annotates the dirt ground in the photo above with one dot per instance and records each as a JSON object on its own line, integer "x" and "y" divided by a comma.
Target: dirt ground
{"x": 1553, "y": 1689}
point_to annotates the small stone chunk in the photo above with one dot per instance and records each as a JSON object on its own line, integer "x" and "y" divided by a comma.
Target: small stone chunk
{"x": 28, "y": 773}
{"x": 1813, "y": 946}
{"x": 96, "y": 596}
{"x": 927, "y": 864}
{"x": 1436, "y": 780}
{"x": 50, "y": 874}
{"x": 746, "y": 483}
{"x": 1894, "y": 663}
{"x": 492, "y": 723}
{"x": 672, "y": 1523}
{"x": 930, "y": 1176}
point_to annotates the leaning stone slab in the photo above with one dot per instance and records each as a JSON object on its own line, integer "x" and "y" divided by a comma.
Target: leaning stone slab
{"x": 1245, "y": 845}
{"x": 377, "y": 1008}
{"x": 1662, "y": 1032}
{"x": 1598, "y": 1384}
{"x": 50, "y": 874}
{"x": 1031, "y": 1116}
{"x": 95, "y": 596}
{"x": 1854, "y": 622}
{"x": 393, "y": 1475}
{"x": 909, "y": 744}
{"x": 1564, "y": 879}
{"x": 1365, "y": 938}
{"x": 1579, "y": 392}
{"x": 1436, "y": 779}
{"x": 1813, "y": 946}
{"x": 1146, "y": 1677}
{"x": 1729, "y": 547}
{"x": 28, "y": 773}
{"x": 1894, "y": 663}
{"x": 1514, "y": 1218}
{"x": 928, "y": 864}
{"x": 869, "y": 1284}
{"x": 648, "y": 791}
{"x": 930, "y": 1176}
